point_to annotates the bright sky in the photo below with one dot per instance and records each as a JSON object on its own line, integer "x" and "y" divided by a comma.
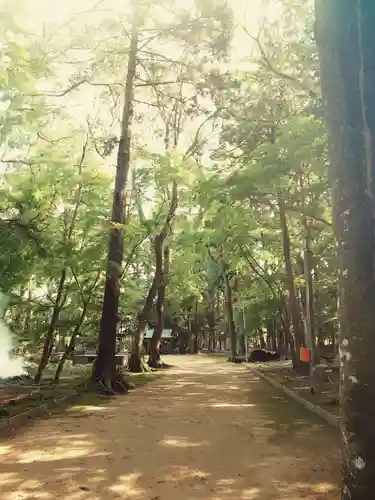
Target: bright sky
{"x": 34, "y": 14}
{"x": 246, "y": 12}
{"x": 37, "y": 16}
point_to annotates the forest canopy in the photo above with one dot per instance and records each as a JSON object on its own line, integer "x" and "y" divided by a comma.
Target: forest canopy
{"x": 214, "y": 117}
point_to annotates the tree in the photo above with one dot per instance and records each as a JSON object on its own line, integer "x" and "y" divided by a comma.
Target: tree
{"x": 345, "y": 37}
{"x": 105, "y": 364}
{"x": 233, "y": 260}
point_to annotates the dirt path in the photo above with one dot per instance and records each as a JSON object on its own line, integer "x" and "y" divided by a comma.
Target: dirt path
{"x": 207, "y": 430}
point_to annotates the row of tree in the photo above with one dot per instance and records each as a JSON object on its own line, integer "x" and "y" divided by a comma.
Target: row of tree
{"x": 220, "y": 218}
{"x": 221, "y": 187}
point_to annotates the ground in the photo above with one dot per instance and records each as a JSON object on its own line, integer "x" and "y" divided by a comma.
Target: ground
{"x": 206, "y": 430}
{"x": 328, "y": 395}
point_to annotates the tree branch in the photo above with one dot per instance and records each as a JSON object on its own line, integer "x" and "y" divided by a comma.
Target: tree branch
{"x": 266, "y": 62}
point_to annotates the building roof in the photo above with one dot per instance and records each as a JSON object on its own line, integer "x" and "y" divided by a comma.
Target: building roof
{"x": 167, "y": 333}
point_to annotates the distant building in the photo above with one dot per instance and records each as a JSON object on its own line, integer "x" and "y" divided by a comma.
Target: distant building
{"x": 166, "y": 340}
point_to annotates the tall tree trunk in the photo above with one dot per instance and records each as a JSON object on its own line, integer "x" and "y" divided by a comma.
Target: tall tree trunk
{"x": 285, "y": 325}
{"x": 271, "y": 335}
{"x": 294, "y": 306}
{"x": 218, "y": 317}
{"x": 163, "y": 275}
{"x": 346, "y": 40}
{"x": 135, "y": 363}
{"x": 189, "y": 328}
{"x": 309, "y": 294}
{"x": 162, "y": 256}
{"x": 230, "y": 315}
{"x": 319, "y": 315}
{"x": 105, "y": 364}
{"x": 211, "y": 319}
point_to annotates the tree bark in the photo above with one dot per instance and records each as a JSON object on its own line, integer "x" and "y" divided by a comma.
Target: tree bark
{"x": 262, "y": 343}
{"x": 160, "y": 252}
{"x": 230, "y": 317}
{"x": 346, "y": 41}
{"x": 309, "y": 294}
{"x": 48, "y": 342}
{"x": 105, "y": 364}
{"x": 135, "y": 363}
{"x": 285, "y": 325}
{"x": 211, "y": 320}
{"x": 70, "y": 348}
{"x": 163, "y": 257}
{"x": 294, "y": 306}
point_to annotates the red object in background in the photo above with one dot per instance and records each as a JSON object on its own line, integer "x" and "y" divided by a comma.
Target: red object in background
{"x": 304, "y": 354}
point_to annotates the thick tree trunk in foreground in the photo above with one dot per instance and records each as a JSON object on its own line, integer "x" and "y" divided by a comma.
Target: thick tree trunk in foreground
{"x": 346, "y": 40}
{"x": 294, "y": 306}
{"x": 105, "y": 364}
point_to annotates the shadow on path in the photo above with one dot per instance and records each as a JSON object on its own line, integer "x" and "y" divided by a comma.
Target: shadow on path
{"x": 207, "y": 430}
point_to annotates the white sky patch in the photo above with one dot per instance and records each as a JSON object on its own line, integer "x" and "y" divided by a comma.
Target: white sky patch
{"x": 359, "y": 463}
{"x": 353, "y": 379}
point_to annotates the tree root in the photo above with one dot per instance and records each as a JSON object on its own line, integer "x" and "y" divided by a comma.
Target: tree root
{"x": 137, "y": 365}
{"x": 159, "y": 365}
{"x": 111, "y": 386}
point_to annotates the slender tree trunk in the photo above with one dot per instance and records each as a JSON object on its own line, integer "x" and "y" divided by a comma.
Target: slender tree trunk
{"x": 284, "y": 321}
{"x": 319, "y": 315}
{"x": 346, "y": 41}
{"x": 218, "y": 318}
{"x": 105, "y": 364}
{"x": 189, "y": 328}
{"x": 242, "y": 343}
{"x": 61, "y": 296}
{"x": 230, "y": 317}
{"x": 135, "y": 363}
{"x": 27, "y": 324}
{"x": 294, "y": 306}
{"x": 271, "y": 335}
{"x": 70, "y": 348}
{"x": 48, "y": 342}
{"x": 262, "y": 343}
{"x": 211, "y": 320}
{"x": 162, "y": 258}
{"x": 310, "y": 313}
{"x": 163, "y": 275}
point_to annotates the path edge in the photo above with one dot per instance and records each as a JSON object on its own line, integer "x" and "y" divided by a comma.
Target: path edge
{"x": 324, "y": 414}
{"x": 33, "y": 413}
{"x": 43, "y": 409}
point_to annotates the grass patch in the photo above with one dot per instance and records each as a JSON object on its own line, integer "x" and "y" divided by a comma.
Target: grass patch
{"x": 78, "y": 392}
{"x": 139, "y": 379}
